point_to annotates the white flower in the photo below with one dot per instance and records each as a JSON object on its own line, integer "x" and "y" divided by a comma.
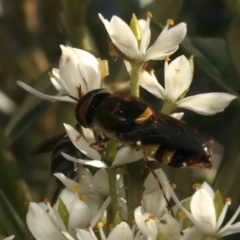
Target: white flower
{"x": 46, "y": 222}
{"x": 150, "y": 226}
{"x": 90, "y": 185}
{"x": 124, "y": 39}
{"x": 119, "y": 232}
{"x": 124, "y": 155}
{"x": 178, "y": 77}
{"x": 203, "y": 213}
{"x": 79, "y": 72}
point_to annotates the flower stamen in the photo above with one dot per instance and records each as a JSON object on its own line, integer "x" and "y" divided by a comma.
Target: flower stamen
{"x": 83, "y": 197}
{"x": 149, "y": 15}
{"x": 229, "y": 201}
{"x": 76, "y": 188}
{"x": 196, "y": 186}
{"x": 170, "y": 22}
{"x": 100, "y": 224}
{"x": 182, "y": 215}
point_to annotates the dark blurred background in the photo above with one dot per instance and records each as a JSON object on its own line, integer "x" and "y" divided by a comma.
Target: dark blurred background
{"x": 30, "y": 34}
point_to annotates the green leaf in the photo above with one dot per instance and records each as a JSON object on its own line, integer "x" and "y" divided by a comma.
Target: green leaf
{"x": 218, "y": 203}
{"x": 233, "y": 42}
{"x": 63, "y": 212}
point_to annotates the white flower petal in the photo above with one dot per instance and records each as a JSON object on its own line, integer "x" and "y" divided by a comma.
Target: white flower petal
{"x": 140, "y": 221}
{"x": 44, "y": 96}
{"x": 203, "y": 211}
{"x": 69, "y": 72}
{"x": 67, "y": 235}
{"x": 58, "y": 85}
{"x": 69, "y": 183}
{"x": 178, "y": 77}
{"x": 178, "y": 116}
{"x": 84, "y": 234}
{"x": 120, "y": 232}
{"x": 104, "y": 21}
{"x": 88, "y": 135}
{"x": 166, "y": 43}
{"x": 150, "y": 83}
{"x": 192, "y": 233}
{"x": 40, "y": 224}
{"x": 222, "y": 216}
{"x": 208, "y": 188}
{"x": 151, "y": 185}
{"x": 100, "y": 182}
{"x": 81, "y": 143}
{"x": 94, "y": 163}
{"x": 100, "y": 212}
{"x": 146, "y": 35}
{"x": 68, "y": 197}
{"x": 154, "y": 203}
{"x": 126, "y": 155}
{"x": 122, "y": 36}
{"x": 170, "y": 229}
{"x": 206, "y": 103}
{"x": 235, "y": 228}
{"x": 80, "y": 215}
{"x": 9, "y": 238}
{"x": 89, "y": 69}
{"x": 56, "y": 74}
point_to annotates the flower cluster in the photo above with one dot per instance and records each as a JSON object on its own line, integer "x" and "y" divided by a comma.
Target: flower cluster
{"x": 100, "y": 205}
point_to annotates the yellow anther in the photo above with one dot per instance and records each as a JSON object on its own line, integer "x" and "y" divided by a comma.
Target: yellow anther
{"x": 50, "y": 74}
{"x": 46, "y": 200}
{"x": 182, "y": 215}
{"x": 163, "y": 221}
{"x": 111, "y": 226}
{"x": 196, "y": 185}
{"x": 83, "y": 197}
{"x": 100, "y": 224}
{"x": 173, "y": 185}
{"x": 170, "y": 22}
{"x": 152, "y": 217}
{"x": 229, "y": 200}
{"x": 177, "y": 69}
{"x": 76, "y": 188}
{"x": 167, "y": 59}
{"x": 77, "y": 138}
{"x": 149, "y": 15}
{"x": 134, "y": 221}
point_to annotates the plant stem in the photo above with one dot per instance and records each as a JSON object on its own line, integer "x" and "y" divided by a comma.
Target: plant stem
{"x": 136, "y": 72}
{"x": 133, "y": 183}
{"x": 168, "y": 107}
{"x": 112, "y": 172}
